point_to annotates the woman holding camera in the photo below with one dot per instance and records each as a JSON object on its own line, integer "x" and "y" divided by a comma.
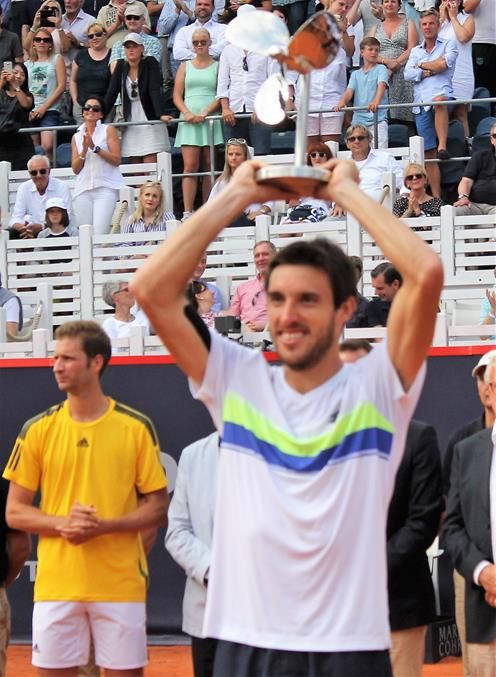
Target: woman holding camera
{"x": 49, "y": 16}
{"x": 15, "y": 102}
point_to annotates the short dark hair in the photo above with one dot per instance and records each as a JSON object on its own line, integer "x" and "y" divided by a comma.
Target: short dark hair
{"x": 357, "y": 264}
{"x": 391, "y": 274}
{"x": 354, "y": 345}
{"x": 101, "y": 103}
{"x": 94, "y": 340}
{"x": 195, "y": 287}
{"x": 322, "y": 255}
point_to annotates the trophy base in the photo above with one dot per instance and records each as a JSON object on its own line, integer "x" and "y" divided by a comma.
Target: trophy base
{"x": 298, "y": 179}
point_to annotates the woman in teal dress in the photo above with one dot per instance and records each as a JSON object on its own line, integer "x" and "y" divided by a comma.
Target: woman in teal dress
{"x": 194, "y": 96}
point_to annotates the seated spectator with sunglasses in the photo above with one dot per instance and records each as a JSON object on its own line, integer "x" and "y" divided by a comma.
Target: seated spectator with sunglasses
{"x": 371, "y": 162}
{"x": 28, "y": 215}
{"x": 418, "y": 202}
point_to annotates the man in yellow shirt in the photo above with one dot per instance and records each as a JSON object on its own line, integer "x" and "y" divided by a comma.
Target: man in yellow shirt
{"x": 96, "y": 464}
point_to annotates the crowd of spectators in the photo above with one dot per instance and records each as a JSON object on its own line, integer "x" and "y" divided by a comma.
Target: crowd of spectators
{"x": 84, "y": 51}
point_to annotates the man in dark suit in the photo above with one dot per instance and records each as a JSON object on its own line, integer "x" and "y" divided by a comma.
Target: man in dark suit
{"x": 470, "y": 535}
{"x": 413, "y": 522}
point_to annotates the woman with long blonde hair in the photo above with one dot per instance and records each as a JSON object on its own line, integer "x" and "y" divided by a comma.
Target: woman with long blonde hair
{"x": 150, "y": 213}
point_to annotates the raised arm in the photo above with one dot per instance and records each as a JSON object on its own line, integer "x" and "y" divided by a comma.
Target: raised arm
{"x": 413, "y": 313}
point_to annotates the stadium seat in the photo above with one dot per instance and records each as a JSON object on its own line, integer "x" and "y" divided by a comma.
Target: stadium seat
{"x": 452, "y": 172}
{"x": 479, "y": 111}
{"x": 64, "y": 154}
{"x": 282, "y": 142}
{"x": 481, "y": 137}
{"x": 398, "y": 136}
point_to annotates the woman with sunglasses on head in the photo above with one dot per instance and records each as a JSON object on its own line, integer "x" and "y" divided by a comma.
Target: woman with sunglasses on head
{"x": 138, "y": 80}
{"x": 46, "y": 71}
{"x": 237, "y": 152}
{"x": 195, "y": 90}
{"x": 310, "y": 208}
{"x": 90, "y": 72}
{"x": 96, "y": 155}
{"x": 15, "y": 103}
{"x": 418, "y": 202}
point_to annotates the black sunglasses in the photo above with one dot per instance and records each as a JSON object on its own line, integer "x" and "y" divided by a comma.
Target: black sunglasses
{"x": 199, "y": 43}
{"x": 133, "y": 17}
{"x": 46, "y": 40}
{"x": 410, "y": 177}
{"x": 134, "y": 89}
{"x": 95, "y": 109}
{"x": 98, "y": 34}
{"x": 317, "y": 153}
{"x": 245, "y": 63}
{"x": 35, "y": 172}
{"x": 357, "y": 138}
{"x": 493, "y": 135}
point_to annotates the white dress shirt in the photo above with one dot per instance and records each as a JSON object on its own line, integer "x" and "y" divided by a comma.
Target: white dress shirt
{"x": 238, "y": 85}
{"x": 29, "y": 201}
{"x": 183, "y": 49}
{"x": 371, "y": 169}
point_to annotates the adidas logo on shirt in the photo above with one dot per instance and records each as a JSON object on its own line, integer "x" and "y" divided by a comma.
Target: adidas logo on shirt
{"x": 83, "y": 442}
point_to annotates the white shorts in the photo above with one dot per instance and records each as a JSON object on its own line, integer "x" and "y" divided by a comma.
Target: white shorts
{"x": 324, "y": 124}
{"x": 61, "y": 634}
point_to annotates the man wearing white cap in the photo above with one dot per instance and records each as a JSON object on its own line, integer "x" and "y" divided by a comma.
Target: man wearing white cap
{"x": 480, "y": 423}
{"x": 134, "y": 18}
{"x": 241, "y": 74}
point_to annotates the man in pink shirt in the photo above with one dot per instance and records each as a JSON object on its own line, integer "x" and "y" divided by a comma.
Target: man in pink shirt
{"x": 249, "y": 301}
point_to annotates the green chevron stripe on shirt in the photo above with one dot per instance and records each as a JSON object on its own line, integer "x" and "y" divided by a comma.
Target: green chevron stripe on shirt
{"x": 242, "y": 413}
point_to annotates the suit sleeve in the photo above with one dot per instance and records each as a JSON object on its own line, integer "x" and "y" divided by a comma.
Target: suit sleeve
{"x": 114, "y": 86}
{"x": 464, "y": 554}
{"x": 425, "y": 502}
{"x": 192, "y": 554}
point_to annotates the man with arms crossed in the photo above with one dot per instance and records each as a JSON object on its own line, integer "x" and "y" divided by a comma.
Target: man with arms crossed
{"x": 96, "y": 464}
{"x": 308, "y": 456}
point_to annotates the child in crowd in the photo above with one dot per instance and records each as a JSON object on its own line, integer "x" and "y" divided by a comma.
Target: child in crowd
{"x": 368, "y": 87}
{"x": 57, "y": 220}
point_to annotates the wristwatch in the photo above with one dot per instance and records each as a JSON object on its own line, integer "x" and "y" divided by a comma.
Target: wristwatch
{"x": 97, "y": 149}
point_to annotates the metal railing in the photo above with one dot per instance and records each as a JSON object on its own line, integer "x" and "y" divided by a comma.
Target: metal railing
{"x": 211, "y": 119}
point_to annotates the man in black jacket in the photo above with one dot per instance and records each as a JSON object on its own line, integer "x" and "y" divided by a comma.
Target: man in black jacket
{"x": 470, "y": 534}
{"x": 413, "y": 522}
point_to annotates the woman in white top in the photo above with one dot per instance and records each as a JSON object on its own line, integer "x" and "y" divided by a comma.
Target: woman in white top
{"x": 96, "y": 155}
{"x": 460, "y": 27}
{"x": 237, "y": 152}
{"x": 117, "y": 295}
